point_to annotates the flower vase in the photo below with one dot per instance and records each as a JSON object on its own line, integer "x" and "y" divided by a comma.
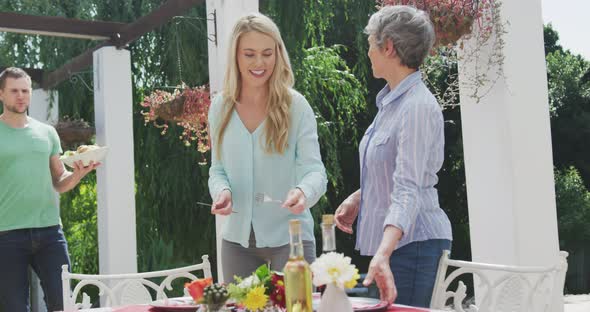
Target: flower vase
{"x": 335, "y": 299}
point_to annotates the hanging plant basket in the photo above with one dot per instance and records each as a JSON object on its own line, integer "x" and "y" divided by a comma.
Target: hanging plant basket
{"x": 452, "y": 19}
{"x": 74, "y": 131}
{"x": 456, "y": 22}
{"x": 185, "y": 107}
{"x": 172, "y": 111}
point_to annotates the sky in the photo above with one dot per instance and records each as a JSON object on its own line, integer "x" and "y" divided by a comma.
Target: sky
{"x": 571, "y": 20}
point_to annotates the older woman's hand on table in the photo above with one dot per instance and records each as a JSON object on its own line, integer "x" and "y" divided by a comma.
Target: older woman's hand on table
{"x": 379, "y": 268}
{"x": 380, "y": 272}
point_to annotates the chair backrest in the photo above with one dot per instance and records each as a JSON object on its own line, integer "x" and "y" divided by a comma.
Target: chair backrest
{"x": 126, "y": 289}
{"x": 500, "y": 288}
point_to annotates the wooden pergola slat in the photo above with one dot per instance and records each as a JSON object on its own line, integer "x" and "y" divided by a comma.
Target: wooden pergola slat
{"x": 126, "y": 35}
{"x": 74, "y": 65}
{"x": 58, "y": 26}
{"x": 155, "y": 19}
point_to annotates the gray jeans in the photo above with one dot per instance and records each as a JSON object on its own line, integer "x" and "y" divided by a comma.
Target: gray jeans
{"x": 237, "y": 260}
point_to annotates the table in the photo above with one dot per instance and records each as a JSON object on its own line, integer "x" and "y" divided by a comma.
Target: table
{"x": 147, "y": 308}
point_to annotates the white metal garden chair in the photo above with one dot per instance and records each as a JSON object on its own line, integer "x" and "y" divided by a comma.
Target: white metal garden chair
{"x": 126, "y": 289}
{"x": 501, "y": 288}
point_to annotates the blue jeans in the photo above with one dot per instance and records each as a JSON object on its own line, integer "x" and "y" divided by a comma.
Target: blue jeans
{"x": 45, "y": 250}
{"x": 414, "y": 269}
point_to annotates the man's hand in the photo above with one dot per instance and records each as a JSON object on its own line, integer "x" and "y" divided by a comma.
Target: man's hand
{"x": 380, "y": 272}
{"x": 80, "y": 171}
{"x": 64, "y": 180}
{"x": 223, "y": 204}
{"x": 295, "y": 201}
{"x": 347, "y": 212}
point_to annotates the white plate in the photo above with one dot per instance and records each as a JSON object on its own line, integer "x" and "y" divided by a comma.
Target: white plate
{"x": 359, "y": 304}
{"x": 175, "y": 304}
{"x": 95, "y": 155}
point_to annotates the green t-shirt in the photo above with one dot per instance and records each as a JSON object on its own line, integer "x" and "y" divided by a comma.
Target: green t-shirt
{"x": 27, "y": 196}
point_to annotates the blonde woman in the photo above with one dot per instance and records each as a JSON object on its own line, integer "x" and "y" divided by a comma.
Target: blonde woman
{"x": 264, "y": 143}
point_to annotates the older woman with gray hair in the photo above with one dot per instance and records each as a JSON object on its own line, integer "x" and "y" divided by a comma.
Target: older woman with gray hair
{"x": 400, "y": 222}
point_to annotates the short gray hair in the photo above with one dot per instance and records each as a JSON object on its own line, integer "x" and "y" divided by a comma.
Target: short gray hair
{"x": 410, "y": 30}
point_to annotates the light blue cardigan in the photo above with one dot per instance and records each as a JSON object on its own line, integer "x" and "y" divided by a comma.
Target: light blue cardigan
{"x": 246, "y": 169}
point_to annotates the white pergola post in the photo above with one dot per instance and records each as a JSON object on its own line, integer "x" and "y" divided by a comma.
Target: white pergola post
{"x": 44, "y": 107}
{"x": 115, "y": 177}
{"x": 227, "y": 13}
{"x": 508, "y": 153}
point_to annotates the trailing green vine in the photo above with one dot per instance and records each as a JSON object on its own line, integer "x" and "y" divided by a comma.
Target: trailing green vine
{"x": 337, "y": 97}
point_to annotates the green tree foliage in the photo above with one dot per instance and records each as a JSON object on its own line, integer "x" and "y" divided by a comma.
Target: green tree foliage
{"x": 337, "y": 97}
{"x": 310, "y": 23}
{"x": 79, "y": 223}
{"x": 569, "y": 102}
{"x": 573, "y": 213}
{"x": 79, "y": 220}
{"x": 551, "y": 37}
{"x": 573, "y": 208}
{"x": 569, "y": 99}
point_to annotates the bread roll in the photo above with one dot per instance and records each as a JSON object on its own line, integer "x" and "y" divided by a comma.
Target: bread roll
{"x": 85, "y": 148}
{"x": 82, "y": 149}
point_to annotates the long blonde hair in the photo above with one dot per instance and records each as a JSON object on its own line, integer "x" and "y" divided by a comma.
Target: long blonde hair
{"x": 279, "y": 84}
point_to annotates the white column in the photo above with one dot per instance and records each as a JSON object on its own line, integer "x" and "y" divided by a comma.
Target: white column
{"x": 44, "y": 107}
{"x": 508, "y": 153}
{"x": 115, "y": 178}
{"x": 227, "y": 12}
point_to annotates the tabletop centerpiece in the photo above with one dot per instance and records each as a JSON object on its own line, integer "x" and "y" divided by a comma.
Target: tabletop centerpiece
{"x": 213, "y": 296}
{"x": 338, "y": 273}
{"x": 263, "y": 291}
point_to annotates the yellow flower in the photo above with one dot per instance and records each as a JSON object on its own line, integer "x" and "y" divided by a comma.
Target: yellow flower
{"x": 256, "y": 299}
{"x": 351, "y": 283}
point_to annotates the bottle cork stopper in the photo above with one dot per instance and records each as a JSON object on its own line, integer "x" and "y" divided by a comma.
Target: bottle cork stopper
{"x": 328, "y": 219}
{"x": 295, "y": 225}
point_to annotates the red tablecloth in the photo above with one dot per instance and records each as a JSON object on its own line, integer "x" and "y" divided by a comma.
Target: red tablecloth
{"x": 396, "y": 308}
{"x": 144, "y": 308}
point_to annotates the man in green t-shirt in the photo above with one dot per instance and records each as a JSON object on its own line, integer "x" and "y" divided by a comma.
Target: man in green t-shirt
{"x": 30, "y": 173}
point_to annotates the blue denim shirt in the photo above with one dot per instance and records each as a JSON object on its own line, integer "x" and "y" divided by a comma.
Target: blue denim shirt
{"x": 400, "y": 155}
{"x": 247, "y": 169}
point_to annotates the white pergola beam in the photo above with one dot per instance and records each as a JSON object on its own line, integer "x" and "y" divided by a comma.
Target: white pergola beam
{"x": 116, "y": 177}
{"x": 508, "y": 153}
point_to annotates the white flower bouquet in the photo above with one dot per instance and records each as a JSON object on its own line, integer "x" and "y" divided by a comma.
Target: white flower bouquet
{"x": 334, "y": 270}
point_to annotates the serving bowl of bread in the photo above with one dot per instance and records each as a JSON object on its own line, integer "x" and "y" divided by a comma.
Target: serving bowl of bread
{"x": 85, "y": 153}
